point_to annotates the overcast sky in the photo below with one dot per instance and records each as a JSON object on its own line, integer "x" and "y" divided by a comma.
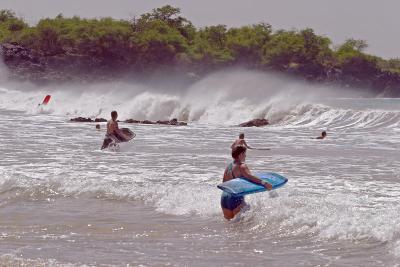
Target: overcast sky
{"x": 377, "y": 22}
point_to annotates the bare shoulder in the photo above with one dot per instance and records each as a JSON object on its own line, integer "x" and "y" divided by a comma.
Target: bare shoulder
{"x": 243, "y": 166}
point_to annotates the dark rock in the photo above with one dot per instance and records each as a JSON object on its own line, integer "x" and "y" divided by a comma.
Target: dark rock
{"x": 12, "y": 51}
{"x": 81, "y": 119}
{"x": 100, "y": 120}
{"x": 171, "y": 122}
{"x": 132, "y": 121}
{"x": 163, "y": 122}
{"x": 147, "y": 122}
{"x": 255, "y": 122}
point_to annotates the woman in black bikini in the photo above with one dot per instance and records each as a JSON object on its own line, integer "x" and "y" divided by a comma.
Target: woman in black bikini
{"x": 231, "y": 205}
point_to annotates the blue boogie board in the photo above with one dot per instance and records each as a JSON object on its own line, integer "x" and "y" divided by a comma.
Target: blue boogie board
{"x": 241, "y": 186}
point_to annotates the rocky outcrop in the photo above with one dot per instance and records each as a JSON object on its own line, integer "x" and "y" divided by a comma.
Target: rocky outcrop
{"x": 81, "y": 119}
{"x": 255, "y": 122}
{"x": 174, "y": 122}
{"x": 63, "y": 66}
{"x": 147, "y": 122}
{"x": 15, "y": 52}
{"x": 132, "y": 121}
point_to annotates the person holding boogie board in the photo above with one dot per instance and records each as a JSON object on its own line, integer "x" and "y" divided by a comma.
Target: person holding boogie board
{"x": 230, "y": 204}
{"x": 114, "y": 133}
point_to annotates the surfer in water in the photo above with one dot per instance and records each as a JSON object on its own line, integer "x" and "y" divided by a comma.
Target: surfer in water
{"x": 113, "y": 132}
{"x": 230, "y": 204}
{"x": 240, "y": 142}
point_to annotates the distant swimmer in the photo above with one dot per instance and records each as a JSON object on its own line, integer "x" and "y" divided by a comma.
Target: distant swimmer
{"x": 323, "y": 135}
{"x": 98, "y": 126}
{"x": 240, "y": 142}
{"x": 231, "y": 204}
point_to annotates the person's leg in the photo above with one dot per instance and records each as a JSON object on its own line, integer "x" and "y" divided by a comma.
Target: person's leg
{"x": 226, "y": 202}
{"x": 228, "y": 214}
{"x": 231, "y": 205}
{"x": 238, "y": 209}
{"x": 240, "y": 205}
{"x": 106, "y": 143}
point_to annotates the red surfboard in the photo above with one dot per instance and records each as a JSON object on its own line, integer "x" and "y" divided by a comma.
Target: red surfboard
{"x": 46, "y": 100}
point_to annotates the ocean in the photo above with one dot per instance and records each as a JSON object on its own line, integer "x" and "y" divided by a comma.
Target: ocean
{"x": 154, "y": 201}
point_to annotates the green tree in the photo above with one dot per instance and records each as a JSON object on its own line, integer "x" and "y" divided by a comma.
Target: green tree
{"x": 303, "y": 48}
{"x": 246, "y": 43}
{"x": 10, "y": 24}
{"x": 160, "y": 43}
{"x": 210, "y": 46}
{"x": 168, "y": 14}
{"x": 283, "y": 49}
{"x": 353, "y": 62}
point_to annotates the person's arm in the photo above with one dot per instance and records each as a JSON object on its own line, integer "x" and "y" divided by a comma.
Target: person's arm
{"x": 246, "y": 145}
{"x": 252, "y": 178}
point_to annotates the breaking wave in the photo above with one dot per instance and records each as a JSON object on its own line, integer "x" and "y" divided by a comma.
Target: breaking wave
{"x": 226, "y": 98}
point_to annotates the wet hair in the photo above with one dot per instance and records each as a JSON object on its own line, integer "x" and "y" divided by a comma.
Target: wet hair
{"x": 114, "y": 114}
{"x": 236, "y": 151}
{"x": 241, "y": 136}
{"x": 323, "y": 133}
{"x": 97, "y": 126}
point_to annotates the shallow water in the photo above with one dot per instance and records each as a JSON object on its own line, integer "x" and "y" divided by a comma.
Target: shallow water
{"x": 154, "y": 201}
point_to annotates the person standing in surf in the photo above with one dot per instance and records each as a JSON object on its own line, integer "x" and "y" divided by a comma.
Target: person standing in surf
{"x": 113, "y": 132}
{"x": 240, "y": 142}
{"x": 230, "y": 204}
{"x": 113, "y": 129}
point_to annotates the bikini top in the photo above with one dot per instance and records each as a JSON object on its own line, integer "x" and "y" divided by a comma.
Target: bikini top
{"x": 230, "y": 168}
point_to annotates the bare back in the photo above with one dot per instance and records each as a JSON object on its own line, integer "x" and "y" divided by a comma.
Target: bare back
{"x": 233, "y": 171}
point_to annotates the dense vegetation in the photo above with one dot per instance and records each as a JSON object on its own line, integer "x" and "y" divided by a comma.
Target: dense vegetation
{"x": 165, "y": 39}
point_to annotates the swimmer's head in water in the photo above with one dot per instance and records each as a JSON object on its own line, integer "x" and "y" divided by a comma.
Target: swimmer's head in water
{"x": 97, "y": 126}
{"x": 241, "y": 136}
{"x": 323, "y": 133}
{"x": 114, "y": 115}
{"x": 237, "y": 151}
